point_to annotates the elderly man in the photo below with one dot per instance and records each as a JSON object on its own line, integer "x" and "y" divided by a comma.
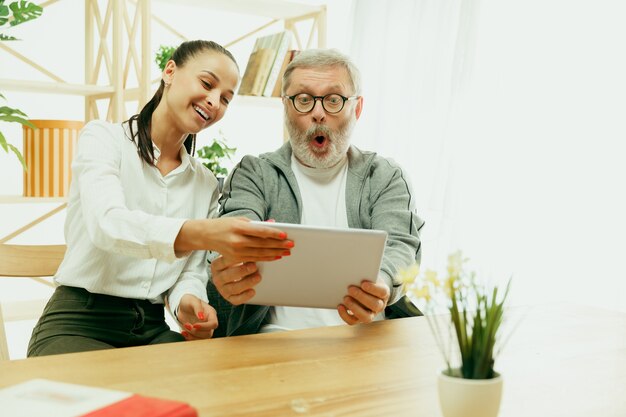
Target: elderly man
{"x": 318, "y": 178}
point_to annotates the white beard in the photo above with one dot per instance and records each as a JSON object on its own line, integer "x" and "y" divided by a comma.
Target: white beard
{"x": 338, "y": 143}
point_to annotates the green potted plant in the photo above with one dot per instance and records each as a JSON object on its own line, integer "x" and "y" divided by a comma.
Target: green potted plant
{"x": 469, "y": 384}
{"x": 164, "y": 53}
{"x": 15, "y": 13}
{"x": 212, "y": 155}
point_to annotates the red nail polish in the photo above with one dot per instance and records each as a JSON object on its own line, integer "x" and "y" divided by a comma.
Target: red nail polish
{"x": 282, "y": 235}
{"x": 277, "y": 258}
{"x": 286, "y": 253}
{"x": 196, "y": 326}
{"x": 201, "y": 315}
{"x": 184, "y": 333}
{"x": 290, "y": 244}
{"x": 188, "y": 326}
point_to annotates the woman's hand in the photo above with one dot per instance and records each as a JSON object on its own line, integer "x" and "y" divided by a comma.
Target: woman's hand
{"x": 197, "y": 318}
{"x": 236, "y": 238}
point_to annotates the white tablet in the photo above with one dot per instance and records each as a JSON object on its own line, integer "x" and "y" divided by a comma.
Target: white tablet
{"x": 323, "y": 264}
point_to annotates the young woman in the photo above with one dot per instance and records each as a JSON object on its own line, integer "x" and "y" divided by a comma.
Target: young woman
{"x": 139, "y": 219}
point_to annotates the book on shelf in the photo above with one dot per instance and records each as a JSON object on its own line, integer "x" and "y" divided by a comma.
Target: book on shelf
{"x": 264, "y": 64}
{"x": 42, "y": 397}
{"x": 281, "y": 43}
{"x": 289, "y": 56}
{"x": 255, "y": 76}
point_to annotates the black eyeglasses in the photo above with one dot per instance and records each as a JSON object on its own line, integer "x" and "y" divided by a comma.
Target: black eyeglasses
{"x": 331, "y": 103}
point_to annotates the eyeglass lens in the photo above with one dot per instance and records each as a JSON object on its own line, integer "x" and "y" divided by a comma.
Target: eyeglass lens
{"x": 332, "y": 103}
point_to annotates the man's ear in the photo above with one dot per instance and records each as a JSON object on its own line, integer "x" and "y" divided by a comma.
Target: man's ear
{"x": 359, "y": 107}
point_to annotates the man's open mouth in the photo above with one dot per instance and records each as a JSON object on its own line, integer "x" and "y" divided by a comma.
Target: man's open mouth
{"x": 319, "y": 140}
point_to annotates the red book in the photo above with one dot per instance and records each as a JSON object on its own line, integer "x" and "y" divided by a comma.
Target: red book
{"x": 140, "y": 406}
{"x": 42, "y": 397}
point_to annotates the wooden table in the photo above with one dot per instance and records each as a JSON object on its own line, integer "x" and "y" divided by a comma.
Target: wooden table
{"x": 561, "y": 361}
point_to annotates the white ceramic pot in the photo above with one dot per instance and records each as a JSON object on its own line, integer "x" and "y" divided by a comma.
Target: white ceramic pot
{"x": 459, "y": 397}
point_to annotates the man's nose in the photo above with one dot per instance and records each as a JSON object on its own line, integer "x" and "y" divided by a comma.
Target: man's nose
{"x": 318, "y": 113}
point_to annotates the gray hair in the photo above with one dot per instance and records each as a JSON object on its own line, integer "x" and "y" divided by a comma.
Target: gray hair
{"x": 323, "y": 58}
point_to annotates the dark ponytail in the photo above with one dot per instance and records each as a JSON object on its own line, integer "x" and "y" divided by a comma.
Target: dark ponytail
{"x": 143, "y": 120}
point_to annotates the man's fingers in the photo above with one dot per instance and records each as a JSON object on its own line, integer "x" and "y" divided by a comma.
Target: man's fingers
{"x": 367, "y": 300}
{"x": 235, "y": 283}
{"x": 362, "y": 313}
{"x": 226, "y": 275}
{"x": 221, "y": 263}
{"x": 378, "y": 289}
{"x": 242, "y": 298}
{"x": 241, "y": 286}
{"x": 346, "y": 316}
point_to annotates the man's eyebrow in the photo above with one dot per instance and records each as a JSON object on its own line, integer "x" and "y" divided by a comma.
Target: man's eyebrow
{"x": 337, "y": 86}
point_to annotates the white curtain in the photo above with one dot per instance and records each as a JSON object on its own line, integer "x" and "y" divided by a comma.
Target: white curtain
{"x": 510, "y": 119}
{"x": 416, "y": 58}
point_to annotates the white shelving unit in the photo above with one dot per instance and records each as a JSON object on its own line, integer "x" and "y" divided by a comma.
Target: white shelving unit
{"x": 118, "y": 38}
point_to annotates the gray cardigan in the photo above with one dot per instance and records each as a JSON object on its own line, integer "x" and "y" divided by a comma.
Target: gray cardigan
{"x": 378, "y": 196}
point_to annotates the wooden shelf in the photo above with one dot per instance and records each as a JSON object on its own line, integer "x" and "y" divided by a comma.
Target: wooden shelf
{"x": 18, "y": 199}
{"x": 54, "y": 87}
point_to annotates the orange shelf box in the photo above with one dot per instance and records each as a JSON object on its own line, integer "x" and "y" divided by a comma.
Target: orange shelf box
{"x": 48, "y": 151}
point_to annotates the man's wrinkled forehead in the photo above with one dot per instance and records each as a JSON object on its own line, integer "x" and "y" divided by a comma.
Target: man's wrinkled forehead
{"x": 332, "y": 78}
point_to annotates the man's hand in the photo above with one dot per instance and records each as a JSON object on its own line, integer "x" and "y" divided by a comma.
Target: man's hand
{"x": 197, "y": 318}
{"x": 235, "y": 281}
{"x": 363, "y": 303}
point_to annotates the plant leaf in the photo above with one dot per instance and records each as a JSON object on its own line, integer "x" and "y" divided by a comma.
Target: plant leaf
{"x": 5, "y": 38}
{"x": 17, "y": 119}
{"x": 211, "y": 155}
{"x": 164, "y": 54}
{"x": 19, "y": 156}
{"x": 3, "y": 142}
{"x": 23, "y": 11}
{"x": 5, "y": 110}
{"x": 4, "y": 13}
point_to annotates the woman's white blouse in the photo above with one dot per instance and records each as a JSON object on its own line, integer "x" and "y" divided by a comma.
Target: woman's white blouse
{"x": 123, "y": 217}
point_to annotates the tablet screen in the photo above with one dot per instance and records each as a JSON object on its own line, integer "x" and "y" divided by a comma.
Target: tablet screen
{"x": 323, "y": 264}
